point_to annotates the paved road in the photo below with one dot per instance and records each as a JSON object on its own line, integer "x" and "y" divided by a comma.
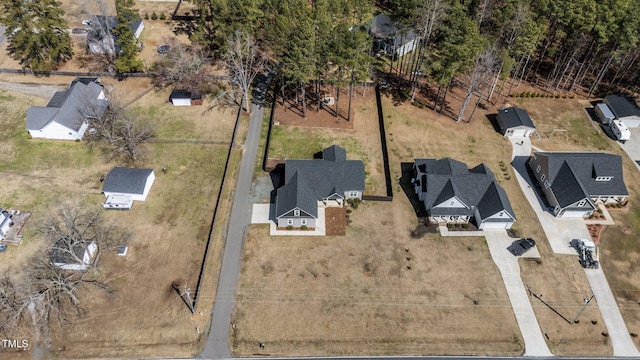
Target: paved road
{"x": 559, "y": 233}
{"x": 534, "y": 343}
{"x": 217, "y": 346}
{"x": 618, "y": 333}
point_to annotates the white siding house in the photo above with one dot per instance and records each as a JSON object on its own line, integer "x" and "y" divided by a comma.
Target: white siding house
{"x": 123, "y": 185}
{"x": 65, "y": 116}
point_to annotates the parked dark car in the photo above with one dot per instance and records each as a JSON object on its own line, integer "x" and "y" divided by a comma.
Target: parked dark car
{"x": 521, "y": 246}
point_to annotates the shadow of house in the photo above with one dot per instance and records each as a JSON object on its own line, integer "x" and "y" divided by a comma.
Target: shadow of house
{"x": 573, "y": 183}
{"x": 408, "y": 187}
{"x": 455, "y": 194}
{"x": 493, "y": 119}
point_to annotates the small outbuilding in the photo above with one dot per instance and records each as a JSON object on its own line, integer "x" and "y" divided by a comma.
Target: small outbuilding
{"x": 625, "y": 109}
{"x": 124, "y": 185}
{"x": 185, "y": 98}
{"x": 604, "y": 114}
{"x": 515, "y": 122}
{"x": 73, "y": 257}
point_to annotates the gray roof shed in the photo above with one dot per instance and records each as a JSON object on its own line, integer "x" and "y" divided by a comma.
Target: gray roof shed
{"x": 126, "y": 180}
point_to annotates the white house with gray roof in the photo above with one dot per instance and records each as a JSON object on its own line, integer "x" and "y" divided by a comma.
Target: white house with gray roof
{"x": 574, "y": 183}
{"x": 624, "y": 109}
{"x": 309, "y": 184}
{"x": 454, "y": 194}
{"x": 65, "y": 116}
{"x": 123, "y": 186}
{"x": 515, "y": 122}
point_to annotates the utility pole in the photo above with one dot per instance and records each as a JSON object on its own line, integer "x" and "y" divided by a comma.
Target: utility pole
{"x": 586, "y": 302}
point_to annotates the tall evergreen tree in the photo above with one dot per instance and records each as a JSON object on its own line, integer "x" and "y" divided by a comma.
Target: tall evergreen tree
{"x": 38, "y": 35}
{"x": 127, "y": 58}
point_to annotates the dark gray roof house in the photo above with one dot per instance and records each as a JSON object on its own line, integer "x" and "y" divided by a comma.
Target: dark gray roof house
{"x": 388, "y": 38}
{"x": 515, "y": 122}
{"x": 102, "y": 40}
{"x": 65, "y": 116}
{"x": 625, "y": 109}
{"x": 72, "y": 256}
{"x": 574, "y": 182}
{"x": 123, "y": 185}
{"x": 452, "y": 193}
{"x": 307, "y": 183}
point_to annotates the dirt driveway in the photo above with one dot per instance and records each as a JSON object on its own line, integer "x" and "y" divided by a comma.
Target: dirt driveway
{"x": 41, "y": 90}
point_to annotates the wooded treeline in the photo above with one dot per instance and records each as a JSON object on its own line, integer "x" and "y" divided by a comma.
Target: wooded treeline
{"x": 585, "y": 46}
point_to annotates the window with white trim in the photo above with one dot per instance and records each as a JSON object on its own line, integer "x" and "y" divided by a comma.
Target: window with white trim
{"x": 289, "y": 221}
{"x": 582, "y": 203}
{"x": 303, "y": 221}
{"x": 542, "y": 177}
{"x": 296, "y": 212}
{"x": 538, "y": 168}
{"x": 547, "y": 184}
{"x": 353, "y": 194}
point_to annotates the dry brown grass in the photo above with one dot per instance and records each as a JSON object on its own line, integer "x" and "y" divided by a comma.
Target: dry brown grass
{"x": 362, "y": 295}
{"x": 145, "y": 317}
{"x": 355, "y": 294}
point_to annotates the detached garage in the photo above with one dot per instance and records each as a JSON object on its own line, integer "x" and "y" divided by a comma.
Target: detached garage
{"x": 625, "y": 109}
{"x": 124, "y": 185}
{"x": 515, "y": 122}
{"x": 185, "y": 98}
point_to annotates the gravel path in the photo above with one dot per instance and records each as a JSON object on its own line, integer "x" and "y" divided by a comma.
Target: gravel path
{"x": 42, "y": 90}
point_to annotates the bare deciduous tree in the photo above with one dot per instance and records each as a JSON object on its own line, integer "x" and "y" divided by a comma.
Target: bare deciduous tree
{"x": 101, "y": 47}
{"x": 485, "y": 65}
{"x": 122, "y": 130}
{"x": 185, "y": 66}
{"x": 44, "y": 292}
{"x": 243, "y": 61}
{"x": 72, "y": 227}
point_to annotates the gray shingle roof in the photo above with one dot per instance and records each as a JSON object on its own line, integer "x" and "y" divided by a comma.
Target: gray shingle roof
{"x": 513, "y": 117}
{"x": 68, "y": 108}
{"x": 126, "y": 180}
{"x": 476, "y": 188}
{"x": 383, "y": 27}
{"x": 334, "y": 153}
{"x": 622, "y": 106}
{"x": 584, "y": 167}
{"x": 307, "y": 181}
{"x": 60, "y": 255}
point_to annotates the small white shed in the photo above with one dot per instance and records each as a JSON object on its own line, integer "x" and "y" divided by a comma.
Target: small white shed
{"x": 124, "y": 185}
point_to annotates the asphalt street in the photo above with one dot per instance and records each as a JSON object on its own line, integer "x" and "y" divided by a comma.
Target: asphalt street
{"x": 217, "y": 346}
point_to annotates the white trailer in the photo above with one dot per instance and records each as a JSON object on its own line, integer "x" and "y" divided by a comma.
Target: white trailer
{"x": 604, "y": 113}
{"x": 620, "y": 131}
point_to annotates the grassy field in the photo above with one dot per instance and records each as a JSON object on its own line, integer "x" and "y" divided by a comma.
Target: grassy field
{"x": 145, "y": 317}
{"x": 355, "y": 294}
{"x": 361, "y": 143}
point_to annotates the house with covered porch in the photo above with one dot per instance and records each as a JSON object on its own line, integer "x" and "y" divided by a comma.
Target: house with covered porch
{"x": 455, "y": 194}
{"x": 310, "y": 184}
{"x": 574, "y": 183}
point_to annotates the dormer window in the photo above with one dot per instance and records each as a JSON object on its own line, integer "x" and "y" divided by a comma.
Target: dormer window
{"x": 604, "y": 178}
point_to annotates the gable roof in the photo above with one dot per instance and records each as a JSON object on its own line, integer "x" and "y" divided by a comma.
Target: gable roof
{"x": 514, "y": 117}
{"x": 622, "y": 106}
{"x": 184, "y": 94}
{"x": 68, "y": 108}
{"x": 59, "y": 254}
{"x": 383, "y": 27}
{"x": 126, "y": 180}
{"x": 307, "y": 181}
{"x": 566, "y": 170}
{"x": 476, "y": 188}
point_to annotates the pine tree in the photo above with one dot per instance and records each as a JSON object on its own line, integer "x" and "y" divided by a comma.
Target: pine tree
{"x": 38, "y": 35}
{"x": 127, "y": 59}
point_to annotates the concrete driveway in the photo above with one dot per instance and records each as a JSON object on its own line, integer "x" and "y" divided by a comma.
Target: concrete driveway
{"x": 632, "y": 147}
{"x": 559, "y": 233}
{"x": 534, "y": 342}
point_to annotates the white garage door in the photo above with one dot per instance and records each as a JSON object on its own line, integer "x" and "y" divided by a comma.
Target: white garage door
{"x": 573, "y": 214}
{"x": 494, "y": 225}
{"x": 632, "y": 123}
